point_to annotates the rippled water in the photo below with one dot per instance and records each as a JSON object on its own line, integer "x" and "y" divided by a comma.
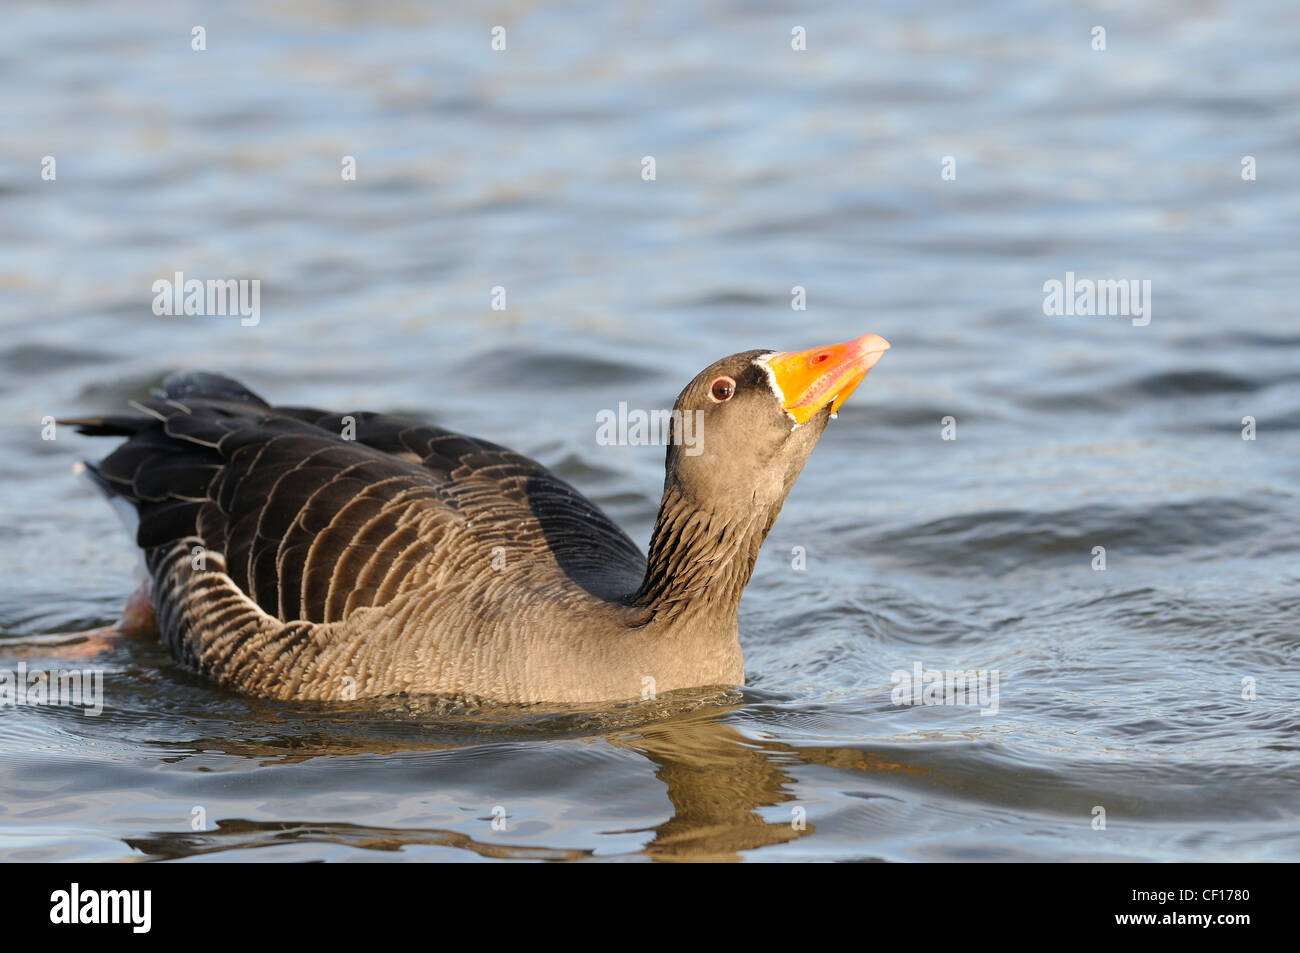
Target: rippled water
{"x": 1120, "y": 688}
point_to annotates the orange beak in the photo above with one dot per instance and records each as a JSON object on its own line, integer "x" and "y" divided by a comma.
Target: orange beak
{"x": 809, "y": 380}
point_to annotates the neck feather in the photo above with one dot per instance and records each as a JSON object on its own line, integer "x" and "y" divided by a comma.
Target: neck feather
{"x": 700, "y": 560}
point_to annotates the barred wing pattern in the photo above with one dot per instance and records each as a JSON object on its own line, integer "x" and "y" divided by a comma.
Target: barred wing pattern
{"x": 267, "y": 533}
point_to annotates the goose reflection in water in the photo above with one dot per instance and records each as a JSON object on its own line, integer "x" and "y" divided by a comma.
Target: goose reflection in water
{"x": 729, "y": 793}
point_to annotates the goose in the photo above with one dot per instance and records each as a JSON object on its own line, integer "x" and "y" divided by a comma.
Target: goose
{"x": 297, "y": 554}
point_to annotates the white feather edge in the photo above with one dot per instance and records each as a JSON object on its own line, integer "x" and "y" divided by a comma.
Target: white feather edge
{"x": 761, "y": 363}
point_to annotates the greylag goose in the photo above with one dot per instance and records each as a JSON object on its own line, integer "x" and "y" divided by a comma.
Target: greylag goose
{"x": 302, "y": 555}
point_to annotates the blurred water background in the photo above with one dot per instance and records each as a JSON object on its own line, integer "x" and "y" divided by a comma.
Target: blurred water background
{"x": 775, "y": 168}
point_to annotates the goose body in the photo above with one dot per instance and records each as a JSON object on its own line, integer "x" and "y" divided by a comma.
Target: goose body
{"x": 299, "y": 554}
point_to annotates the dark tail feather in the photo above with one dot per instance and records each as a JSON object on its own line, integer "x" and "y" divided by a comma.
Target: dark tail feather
{"x": 176, "y": 387}
{"x": 109, "y": 425}
{"x": 207, "y": 384}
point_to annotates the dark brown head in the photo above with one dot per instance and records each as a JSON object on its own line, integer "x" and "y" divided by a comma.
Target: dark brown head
{"x": 745, "y": 426}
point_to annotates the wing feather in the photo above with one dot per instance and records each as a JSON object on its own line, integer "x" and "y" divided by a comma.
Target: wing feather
{"x": 304, "y": 528}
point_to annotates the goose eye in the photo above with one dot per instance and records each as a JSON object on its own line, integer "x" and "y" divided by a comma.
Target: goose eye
{"x": 722, "y": 389}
